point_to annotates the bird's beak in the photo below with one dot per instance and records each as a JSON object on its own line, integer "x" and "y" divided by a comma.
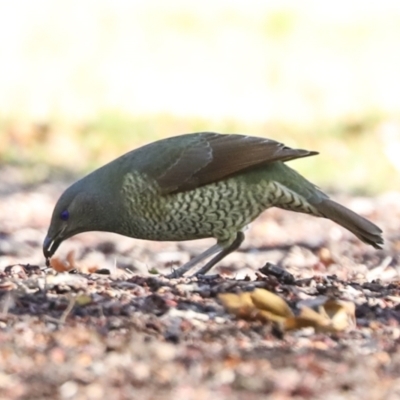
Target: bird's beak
{"x": 50, "y": 245}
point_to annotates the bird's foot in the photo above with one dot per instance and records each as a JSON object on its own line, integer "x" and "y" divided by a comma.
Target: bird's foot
{"x": 204, "y": 277}
{"x": 175, "y": 274}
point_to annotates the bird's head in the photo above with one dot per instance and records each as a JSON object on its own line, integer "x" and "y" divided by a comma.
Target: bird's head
{"x": 78, "y": 210}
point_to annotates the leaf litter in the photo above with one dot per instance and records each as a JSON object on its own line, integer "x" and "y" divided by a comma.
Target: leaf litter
{"x": 321, "y": 320}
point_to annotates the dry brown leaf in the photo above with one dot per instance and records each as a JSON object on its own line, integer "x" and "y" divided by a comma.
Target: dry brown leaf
{"x": 268, "y": 301}
{"x": 88, "y": 270}
{"x": 65, "y": 266}
{"x": 71, "y": 259}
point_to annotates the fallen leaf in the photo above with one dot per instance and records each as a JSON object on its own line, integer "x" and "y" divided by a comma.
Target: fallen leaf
{"x": 62, "y": 266}
{"x": 268, "y": 301}
{"x": 329, "y": 316}
{"x": 240, "y": 304}
{"x": 308, "y": 318}
{"x": 70, "y": 264}
{"x": 342, "y": 313}
{"x": 269, "y": 316}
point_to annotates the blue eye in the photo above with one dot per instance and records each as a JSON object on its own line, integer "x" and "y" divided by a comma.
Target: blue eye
{"x": 64, "y": 215}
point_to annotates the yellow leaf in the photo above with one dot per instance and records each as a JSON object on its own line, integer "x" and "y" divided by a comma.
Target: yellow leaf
{"x": 83, "y": 299}
{"x": 267, "y": 301}
{"x": 332, "y": 315}
{"x": 342, "y": 313}
{"x": 269, "y": 316}
{"x": 307, "y": 318}
{"x": 238, "y": 304}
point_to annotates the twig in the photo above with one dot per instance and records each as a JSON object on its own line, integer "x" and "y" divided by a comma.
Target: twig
{"x": 72, "y": 301}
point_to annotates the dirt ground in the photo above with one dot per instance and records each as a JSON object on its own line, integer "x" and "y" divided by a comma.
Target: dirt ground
{"x": 126, "y": 332}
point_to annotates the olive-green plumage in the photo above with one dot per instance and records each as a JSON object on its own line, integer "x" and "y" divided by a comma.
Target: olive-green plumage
{"x": 195, "y": 186}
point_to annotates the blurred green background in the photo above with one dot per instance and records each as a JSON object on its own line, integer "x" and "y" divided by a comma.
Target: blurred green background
{"x": 84, "y": 81}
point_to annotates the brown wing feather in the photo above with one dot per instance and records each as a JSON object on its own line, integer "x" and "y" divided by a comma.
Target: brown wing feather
{"x": 212, "y": 157}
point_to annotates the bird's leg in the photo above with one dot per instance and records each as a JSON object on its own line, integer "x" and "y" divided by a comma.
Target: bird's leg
{"x": 225, "y": 251}
{"x": 195, "y": 260}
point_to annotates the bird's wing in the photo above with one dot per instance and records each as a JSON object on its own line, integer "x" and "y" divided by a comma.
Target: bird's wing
{"x": 210, "y": 157}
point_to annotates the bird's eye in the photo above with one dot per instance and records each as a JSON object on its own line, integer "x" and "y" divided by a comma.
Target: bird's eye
{"x": 64, "y": 215}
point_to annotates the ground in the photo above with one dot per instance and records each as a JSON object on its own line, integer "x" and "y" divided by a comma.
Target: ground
{"x": 115, "y": 328}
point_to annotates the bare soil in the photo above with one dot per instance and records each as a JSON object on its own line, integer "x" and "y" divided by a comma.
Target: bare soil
{"x": 126, "y": 332}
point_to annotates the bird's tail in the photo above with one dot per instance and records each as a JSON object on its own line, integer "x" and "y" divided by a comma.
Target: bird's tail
{"x": 361, "y": 227}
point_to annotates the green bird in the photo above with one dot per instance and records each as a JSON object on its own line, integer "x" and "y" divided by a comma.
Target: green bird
{"x": 194, "y": 186}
